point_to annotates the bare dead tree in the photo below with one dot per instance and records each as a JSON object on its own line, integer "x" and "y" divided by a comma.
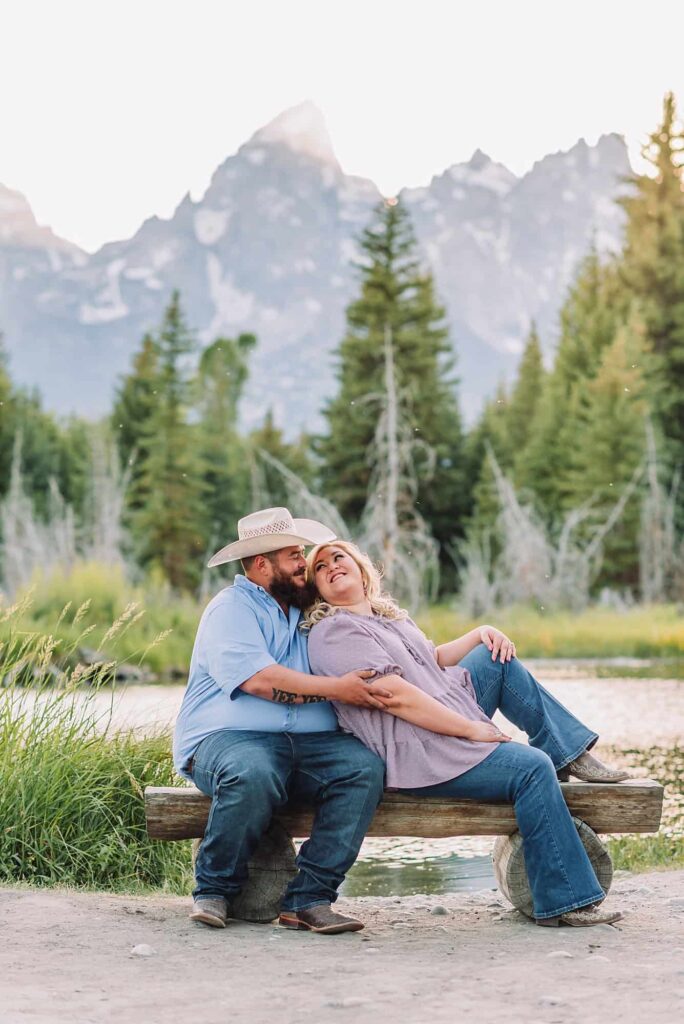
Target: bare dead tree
{"x": 660, "y": 555}
{"x": 392, "y": 529}
{"x": 532, "y": 567}
{"x": 31, "y": 543}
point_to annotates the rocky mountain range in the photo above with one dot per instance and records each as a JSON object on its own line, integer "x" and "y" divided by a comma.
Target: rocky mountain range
{"x": 269, "y": 249}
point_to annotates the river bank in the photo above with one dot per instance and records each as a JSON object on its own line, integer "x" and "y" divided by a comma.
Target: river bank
{"x": 71, "y": 957}
{"x": 624, "y": 711}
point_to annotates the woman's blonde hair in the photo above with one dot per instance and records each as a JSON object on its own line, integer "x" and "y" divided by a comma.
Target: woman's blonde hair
{"x": 381, "y": 603}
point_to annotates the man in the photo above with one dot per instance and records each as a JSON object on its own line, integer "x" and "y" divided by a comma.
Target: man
{"x": 255, "y": 729}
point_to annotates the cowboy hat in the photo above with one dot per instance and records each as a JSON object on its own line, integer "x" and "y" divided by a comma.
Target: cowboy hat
{"x": 269, "y": 530}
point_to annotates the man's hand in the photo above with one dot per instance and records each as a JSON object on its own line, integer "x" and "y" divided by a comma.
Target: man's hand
{"x": 498, "y": 643}
{"x": 353, "y": 688}
{"x": 487, "y": 732}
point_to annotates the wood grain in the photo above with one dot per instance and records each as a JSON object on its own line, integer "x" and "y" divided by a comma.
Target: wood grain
{"x": 634, "y": 806}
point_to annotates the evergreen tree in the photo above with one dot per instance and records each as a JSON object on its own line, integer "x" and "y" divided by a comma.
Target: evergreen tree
{"x": 653, "y": 269}
{"x": 269, "y": 483}
{"x": 396, "y": 293}
{"x": 522, "y": 404}
{"x": 222, "y": 375}
{"x": 491, "y": 431}
{"x": 609, "y": 443}
{"x": 6, "y": 420}
{"x": 170, "y": 526}
{"x": 134, "y": 406}
{"x": 50, "y": 449}
{"x": 595, "y": 307}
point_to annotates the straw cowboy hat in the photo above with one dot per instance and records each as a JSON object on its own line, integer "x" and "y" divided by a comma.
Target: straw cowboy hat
{"x": 269, "y": 530}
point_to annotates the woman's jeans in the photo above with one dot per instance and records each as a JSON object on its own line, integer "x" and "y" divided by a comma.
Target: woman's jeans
{"x": 250, "y": 775}
{"x": 560, "y": 873}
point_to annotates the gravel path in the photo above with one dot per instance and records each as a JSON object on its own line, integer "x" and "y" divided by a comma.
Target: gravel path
{"x": 70, "y": 957}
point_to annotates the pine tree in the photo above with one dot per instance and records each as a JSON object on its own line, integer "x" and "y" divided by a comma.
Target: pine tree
{"x": 396, "y": 293}
{"x": 608, "y": 447}
{"x": 6, "y": 420}
{"x": 221, "y": 378}
{"x": 522, "y": 404}
{"x": 595, "y": 307}
{"x": 653, "y": 270}
{"x": 134, "y": 406}
{"x": 295, "y": 456}
{"x": 170, "y": 527}
{"x": 490, "y": 433}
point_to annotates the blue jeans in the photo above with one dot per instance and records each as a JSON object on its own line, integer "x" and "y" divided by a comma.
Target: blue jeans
{"x": 251, "y": 775}
{"x": 559, "y": 872}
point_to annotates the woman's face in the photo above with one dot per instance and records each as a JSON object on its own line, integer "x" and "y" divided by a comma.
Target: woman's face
{"x": 337, "y": 577}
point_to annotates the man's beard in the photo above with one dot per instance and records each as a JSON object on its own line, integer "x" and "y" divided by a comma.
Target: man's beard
{"x": 283, "y": 588}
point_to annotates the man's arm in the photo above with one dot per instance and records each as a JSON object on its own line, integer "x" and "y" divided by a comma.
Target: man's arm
{"x": 286, "y": 686}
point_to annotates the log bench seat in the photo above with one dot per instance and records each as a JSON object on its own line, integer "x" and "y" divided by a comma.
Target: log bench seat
{"x": 633, "y": 806}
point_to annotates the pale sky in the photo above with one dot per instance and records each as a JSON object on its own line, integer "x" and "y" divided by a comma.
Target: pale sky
{"x": 113, "y": 109}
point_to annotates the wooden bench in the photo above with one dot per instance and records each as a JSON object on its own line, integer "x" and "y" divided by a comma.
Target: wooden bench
{"x": 635, "y": 806}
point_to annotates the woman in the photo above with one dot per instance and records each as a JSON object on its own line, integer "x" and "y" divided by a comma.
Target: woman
{"x": 437, "y": 738}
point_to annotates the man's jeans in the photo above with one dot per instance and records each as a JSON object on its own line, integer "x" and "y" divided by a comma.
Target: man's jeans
{"x": 560, "y": 874}
{"x": 250, "y": 775}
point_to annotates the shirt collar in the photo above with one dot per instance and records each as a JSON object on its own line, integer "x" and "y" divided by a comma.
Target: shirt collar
{"x": 243, "y": 583}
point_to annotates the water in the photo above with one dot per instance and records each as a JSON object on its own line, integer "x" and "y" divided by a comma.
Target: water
{"x": 433, "y": 875}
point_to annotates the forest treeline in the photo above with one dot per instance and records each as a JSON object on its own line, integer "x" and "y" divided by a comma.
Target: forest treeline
{"x": 585, "y": 453}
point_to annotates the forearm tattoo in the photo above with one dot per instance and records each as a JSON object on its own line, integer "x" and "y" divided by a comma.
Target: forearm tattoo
{"x": 285, "y": 697}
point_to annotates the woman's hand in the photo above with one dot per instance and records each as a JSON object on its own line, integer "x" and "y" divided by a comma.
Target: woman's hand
{"x": 487, "y": 732}
{"x": 498, "y": 643}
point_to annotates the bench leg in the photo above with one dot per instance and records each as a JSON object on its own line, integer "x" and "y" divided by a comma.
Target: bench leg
{"x": 509, "y": 866}
{"x": 271, "y": 867}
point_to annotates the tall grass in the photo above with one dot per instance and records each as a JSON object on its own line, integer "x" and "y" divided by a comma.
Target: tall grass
{"x": 71, "y": 789}
{"x": 79, "y": 607}
{"x": 655, "y": 631}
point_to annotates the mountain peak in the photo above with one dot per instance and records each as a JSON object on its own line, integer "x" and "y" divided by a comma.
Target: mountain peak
{"x": 484, "y": 172}
{"x": 479, "y": 160}
{"x": 18, "y": 225}
{"x": 302, "y": 129}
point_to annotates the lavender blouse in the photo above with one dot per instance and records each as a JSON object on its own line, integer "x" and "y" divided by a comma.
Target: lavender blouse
{"x": 414, "y": 757}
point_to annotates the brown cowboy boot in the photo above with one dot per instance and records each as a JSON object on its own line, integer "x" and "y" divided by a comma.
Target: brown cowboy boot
{"x": 321, "y": 919}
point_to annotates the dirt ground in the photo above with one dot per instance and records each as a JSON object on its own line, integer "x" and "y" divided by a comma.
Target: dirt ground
{"x": 69, "y": 957}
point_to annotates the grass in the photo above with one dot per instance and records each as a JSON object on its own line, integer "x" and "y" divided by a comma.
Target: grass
{"x": 71, "y": 792}
{"x": 153, "y": 626}
{"x": 641, "y": 632}
{"x": 666, "y": 848}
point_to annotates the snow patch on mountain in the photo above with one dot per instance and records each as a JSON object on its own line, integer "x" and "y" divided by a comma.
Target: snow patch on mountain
{"x": 110, "y": 305}
{"x": 232, "y": 306}
{"x": 210, "y": 225}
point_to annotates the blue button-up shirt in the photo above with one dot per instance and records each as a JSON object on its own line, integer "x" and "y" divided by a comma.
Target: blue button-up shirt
{"x": 242, "y": 631}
